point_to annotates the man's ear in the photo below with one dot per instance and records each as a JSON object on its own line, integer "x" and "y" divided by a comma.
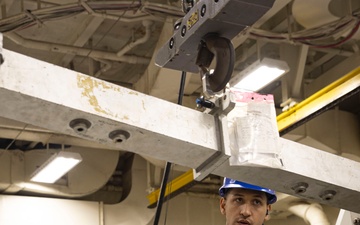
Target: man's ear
{"x": 222, "y": 205}
{"x": 267, "y": 217}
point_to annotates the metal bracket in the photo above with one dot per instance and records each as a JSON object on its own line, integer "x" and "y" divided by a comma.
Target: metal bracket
{"x": 348, "y": 218}
{"x": 222, "y": 108}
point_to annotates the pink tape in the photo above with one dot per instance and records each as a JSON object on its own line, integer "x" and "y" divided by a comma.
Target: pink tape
{"x": 251, "y": 97}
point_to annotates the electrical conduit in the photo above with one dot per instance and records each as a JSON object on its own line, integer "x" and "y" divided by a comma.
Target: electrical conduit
{"x": 53, "y": 47}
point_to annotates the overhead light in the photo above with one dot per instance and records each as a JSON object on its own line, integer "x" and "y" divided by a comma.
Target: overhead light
{"x": 56, "y": 166}
{"x": 259, "y": 74}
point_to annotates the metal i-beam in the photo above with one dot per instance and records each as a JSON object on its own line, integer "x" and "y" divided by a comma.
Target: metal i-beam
{"x": 54, "y": 98}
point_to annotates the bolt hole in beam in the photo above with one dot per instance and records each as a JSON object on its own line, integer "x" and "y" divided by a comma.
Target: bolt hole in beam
{"x": 80, "y": 125}
{"x": 119, "y": 136}
{"x": 300, "y": 188}
{"x": 328, "y": 195}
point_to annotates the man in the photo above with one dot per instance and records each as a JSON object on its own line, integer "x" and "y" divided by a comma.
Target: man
{"x": 245, "y": 204}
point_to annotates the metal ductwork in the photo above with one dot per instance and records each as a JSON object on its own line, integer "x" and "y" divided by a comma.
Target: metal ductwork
{"x": 311, "y": 14}
{"x": 89, "y": 176}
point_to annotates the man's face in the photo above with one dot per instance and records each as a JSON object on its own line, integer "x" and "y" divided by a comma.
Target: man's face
{"x": 244, "y": 207}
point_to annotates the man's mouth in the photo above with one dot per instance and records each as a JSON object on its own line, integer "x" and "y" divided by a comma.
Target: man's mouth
{"x": 243, "y": 222}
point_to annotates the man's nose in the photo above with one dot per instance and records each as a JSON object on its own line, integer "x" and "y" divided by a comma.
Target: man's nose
{"x": 245, "y": 210}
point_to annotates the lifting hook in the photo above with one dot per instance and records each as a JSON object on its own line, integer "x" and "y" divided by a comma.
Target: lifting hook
{"x": 222, "y": 49}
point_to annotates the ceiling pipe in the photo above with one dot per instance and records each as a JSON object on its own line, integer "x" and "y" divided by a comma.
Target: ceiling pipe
{"x": 103, "y": 69}
{"x": 117, "y": 17}
{"x": 312, "y": 214}
{"x": 167, "y": 9}
{"x": 125, "y": 19}
{"x": 147, "y": 24}
{"x": 73, "y": 50}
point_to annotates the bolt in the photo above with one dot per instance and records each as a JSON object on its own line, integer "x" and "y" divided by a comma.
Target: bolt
{"x": 183, "y": 31}
{"x": 1, "y": 59}
{"x": 119, "y": 136}
{"x": 327, "y": 195}
{"x": 300, "y": 187}
{"x": 187, "y": 5}
{"x": 202, "y": 102}
{"x": 80, "y": 126}
{"x": 203, "y": 10}
{"x": 177, "y": 24}
{"x": 171, "y": 43}
{"x": 356, "y": 221}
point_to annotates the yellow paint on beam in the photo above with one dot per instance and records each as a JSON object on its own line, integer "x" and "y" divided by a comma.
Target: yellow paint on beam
{"x": 172, "y": 186}
{"x": 88, "y": 84}
{"x": 319, "y": 99}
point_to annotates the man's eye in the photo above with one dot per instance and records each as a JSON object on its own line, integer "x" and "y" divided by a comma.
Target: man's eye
{"x": 238, "y": 199}
{"x": 257, "y": 202}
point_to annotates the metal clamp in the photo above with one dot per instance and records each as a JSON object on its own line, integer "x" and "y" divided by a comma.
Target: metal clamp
{"x": 222, "y": 107}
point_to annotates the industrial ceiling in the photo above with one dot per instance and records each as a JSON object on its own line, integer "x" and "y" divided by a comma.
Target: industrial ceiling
{"x": 117, "y": 41}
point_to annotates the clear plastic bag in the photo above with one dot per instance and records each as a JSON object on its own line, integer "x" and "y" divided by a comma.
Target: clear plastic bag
{"x": 253, "y": 130}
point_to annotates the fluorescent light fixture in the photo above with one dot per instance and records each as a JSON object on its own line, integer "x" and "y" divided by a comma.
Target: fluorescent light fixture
{"x": 56, "y": 166}
{"x": 259, "y": 74}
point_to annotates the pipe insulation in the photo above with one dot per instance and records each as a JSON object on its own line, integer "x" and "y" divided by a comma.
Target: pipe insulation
{"x": 103, "y": 69}
{"x": 73, "y": 50}
{"x": 312, "y": 214}
{"x": 310, "y": 13}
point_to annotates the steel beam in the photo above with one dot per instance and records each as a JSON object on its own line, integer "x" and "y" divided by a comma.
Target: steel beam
{"x": 48, "y": 96}
{"x": 307, "y": 173}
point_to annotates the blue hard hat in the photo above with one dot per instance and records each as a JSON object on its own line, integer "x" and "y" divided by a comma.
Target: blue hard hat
{"x": 231, "y": 183}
